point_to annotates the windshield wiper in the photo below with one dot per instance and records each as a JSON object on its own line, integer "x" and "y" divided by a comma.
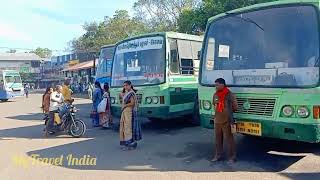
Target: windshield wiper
{"x": 246, "y": 20}
{"x": 12, "y": 84}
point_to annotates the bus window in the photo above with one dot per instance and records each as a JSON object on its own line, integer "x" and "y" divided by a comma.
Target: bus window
{"x": 174, "y": 63}
{"x": 186, "y": 56}
{"x": 187, "y": 66}
{"x": 196, "y": 47}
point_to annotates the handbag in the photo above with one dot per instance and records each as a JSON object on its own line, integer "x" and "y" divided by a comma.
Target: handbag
{"x": 102, "y": 106}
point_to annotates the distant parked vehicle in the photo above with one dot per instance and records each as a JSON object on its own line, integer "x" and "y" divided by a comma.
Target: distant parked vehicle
{"x": 10, "y": 85}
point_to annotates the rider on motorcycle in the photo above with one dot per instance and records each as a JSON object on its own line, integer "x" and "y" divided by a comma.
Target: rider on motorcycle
{"x": 66, "y": 92}
{"x": 56, "y": 102}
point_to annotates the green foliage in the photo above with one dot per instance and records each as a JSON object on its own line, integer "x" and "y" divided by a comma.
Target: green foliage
{"x": 195, "y": 20}
{"x": 110, "y": 31}
{"x": 186, "y": 16}
{"x": 162, "y": 15}
{"x": 42, "y": 52}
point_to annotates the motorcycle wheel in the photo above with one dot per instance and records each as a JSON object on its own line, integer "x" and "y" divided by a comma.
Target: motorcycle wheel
{"x": 77, "y": 129}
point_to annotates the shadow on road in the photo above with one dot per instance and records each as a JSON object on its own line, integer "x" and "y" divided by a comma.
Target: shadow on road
{"x": 167, "y": 146}
{"x": 186, "y": 150}
{"x": 301, "y": 176}
{"x": 28, "y": 117}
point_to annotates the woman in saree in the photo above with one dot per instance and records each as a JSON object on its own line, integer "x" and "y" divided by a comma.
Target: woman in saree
{"x": 130, "y": 129}
{"x": 105, "y": 117}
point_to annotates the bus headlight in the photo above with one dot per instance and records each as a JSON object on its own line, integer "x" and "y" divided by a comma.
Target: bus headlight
{"x": 155, "y": 100}
{"x": 112, "y": 100}
{"x": 303, "y": 112}
{"x": 148, "y": 100}
{"x": 287, "y": 111}
{"x": 206, "y": 105}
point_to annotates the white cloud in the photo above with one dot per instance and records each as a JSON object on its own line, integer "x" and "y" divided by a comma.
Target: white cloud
{"x": 12, "y": 33}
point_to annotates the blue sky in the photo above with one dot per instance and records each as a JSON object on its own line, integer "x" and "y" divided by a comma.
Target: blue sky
{"x": 50, "y": 23}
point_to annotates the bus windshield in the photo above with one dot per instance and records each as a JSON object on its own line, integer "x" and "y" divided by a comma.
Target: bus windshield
{"x": 274, "y": 47}
{"x": 142, "y": 61}
{"x": 13, "y": 79}
{"x": 105, "y": 61}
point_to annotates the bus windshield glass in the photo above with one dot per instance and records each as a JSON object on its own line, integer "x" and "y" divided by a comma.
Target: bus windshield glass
{"x": 142, "y": 61}
{"x": 13, "y": 79}
{"x": 274, "y": 47}
{"x": 104, "y": 63}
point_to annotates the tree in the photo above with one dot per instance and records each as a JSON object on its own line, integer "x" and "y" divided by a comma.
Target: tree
{"x": 110, "y": 31}
{"x": 162, "y": 15}
{"x": 42, "y": 52}
{"x": 195, "y": 20}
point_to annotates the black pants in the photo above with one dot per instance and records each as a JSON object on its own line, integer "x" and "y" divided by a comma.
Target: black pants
{"x": 50, "y": 123}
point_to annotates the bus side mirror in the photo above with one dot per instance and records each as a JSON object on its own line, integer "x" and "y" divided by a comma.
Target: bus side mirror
{"x": 199, "y": 54}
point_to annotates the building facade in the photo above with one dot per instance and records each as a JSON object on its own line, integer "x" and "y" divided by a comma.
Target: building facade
{"x": 28, "y": 64}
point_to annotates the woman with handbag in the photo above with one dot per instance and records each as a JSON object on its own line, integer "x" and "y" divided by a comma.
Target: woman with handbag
{"x": 105, "y": 106}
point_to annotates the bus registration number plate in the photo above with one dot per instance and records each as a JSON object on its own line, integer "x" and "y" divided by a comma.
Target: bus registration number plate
{"x": 250, "y": 128}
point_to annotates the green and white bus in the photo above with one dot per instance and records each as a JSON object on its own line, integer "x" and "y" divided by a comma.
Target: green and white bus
{"x": 10, "y": 85}
{"x": 164, "y": 68}
{"x": 269, "y": 56}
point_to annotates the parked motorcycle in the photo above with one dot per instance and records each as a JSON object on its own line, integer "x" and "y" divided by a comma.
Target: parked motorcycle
{"x": 69, "y": 123}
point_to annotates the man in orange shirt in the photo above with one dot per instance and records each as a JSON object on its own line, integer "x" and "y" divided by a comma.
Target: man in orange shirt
{"x": 225, "y": 104}
{"x": 66, "y": 92}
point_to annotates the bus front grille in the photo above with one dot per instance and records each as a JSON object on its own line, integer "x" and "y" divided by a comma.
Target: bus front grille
{"x": 256, "y": 106}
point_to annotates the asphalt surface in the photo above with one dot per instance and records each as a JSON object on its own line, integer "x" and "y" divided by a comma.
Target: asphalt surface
{"x": 169, "y": 150}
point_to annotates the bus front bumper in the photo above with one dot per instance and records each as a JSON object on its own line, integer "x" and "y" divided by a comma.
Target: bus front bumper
{"x": 277, "y": 129}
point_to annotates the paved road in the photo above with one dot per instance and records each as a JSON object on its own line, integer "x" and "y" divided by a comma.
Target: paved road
{"x": 169, "y": 150}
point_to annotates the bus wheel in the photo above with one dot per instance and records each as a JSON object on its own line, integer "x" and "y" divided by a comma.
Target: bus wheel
{"x": 195, "y": 120}
{"x": 4, "y": 100}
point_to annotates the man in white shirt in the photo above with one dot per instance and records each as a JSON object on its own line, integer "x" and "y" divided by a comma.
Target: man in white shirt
{"x": 56, "y": 100}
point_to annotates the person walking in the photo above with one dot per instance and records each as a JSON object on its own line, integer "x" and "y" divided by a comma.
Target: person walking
{"x": 96, "y": 99}
{"x": 26, "y": 90}
{"x": 90, "y": 90}
{"x": 105, "y": 117}
{"x": 130, "y": 128}
{"x": 225, "y": 104}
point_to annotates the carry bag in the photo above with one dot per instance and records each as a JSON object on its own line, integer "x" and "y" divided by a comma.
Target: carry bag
{"x": 102, "y": 106}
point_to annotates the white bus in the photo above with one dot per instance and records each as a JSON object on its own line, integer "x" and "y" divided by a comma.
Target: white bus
{"x": 10, "y": 85}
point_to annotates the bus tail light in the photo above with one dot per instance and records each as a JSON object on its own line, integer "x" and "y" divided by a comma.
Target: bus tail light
{"x": 316, "y": 112}
{"x": 161, "y": 99}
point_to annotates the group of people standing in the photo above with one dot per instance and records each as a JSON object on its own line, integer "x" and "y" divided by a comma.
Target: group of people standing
{"x": 103, "y": 117}
{"x": 224, "y": 101}
{"x": 130, "y": 127}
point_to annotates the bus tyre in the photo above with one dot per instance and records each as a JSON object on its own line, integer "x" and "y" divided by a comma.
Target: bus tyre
{"x": 195, "y": 119}
{"x": 77, "y": 129}
{"x": 4, "y": 100}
